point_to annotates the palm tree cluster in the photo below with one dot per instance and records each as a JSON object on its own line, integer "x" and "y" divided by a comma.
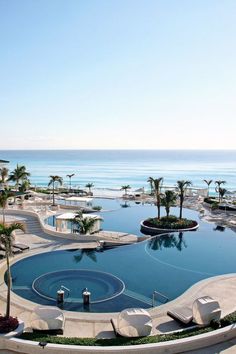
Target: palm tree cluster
{"x": 169, "y": 197}
{"x": 221, "y": 191}
{"x": 20, "y": 176}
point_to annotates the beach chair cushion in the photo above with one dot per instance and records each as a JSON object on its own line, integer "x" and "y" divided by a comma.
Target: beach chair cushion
{"x": 183, "y": 314}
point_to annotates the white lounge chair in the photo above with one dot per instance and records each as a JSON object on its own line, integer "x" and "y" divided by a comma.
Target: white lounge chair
{"x": 204, "y": 310}
{"x": 134, "y": 322}
{"x": 45, "y": 318}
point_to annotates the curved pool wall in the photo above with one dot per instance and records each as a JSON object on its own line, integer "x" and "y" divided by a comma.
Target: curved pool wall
{"x": 169, "y": 264}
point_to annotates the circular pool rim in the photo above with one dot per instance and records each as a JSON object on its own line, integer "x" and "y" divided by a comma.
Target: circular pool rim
{"x": 114, "y": 295}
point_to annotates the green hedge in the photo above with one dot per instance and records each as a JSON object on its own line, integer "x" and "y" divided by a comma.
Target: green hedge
{"x": 38, "y": 337}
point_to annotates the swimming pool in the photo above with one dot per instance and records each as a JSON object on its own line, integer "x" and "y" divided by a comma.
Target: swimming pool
{"x": 169, "y": 264}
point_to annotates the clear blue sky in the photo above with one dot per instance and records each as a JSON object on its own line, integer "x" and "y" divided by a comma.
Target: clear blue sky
{"x": 118, "y": 74}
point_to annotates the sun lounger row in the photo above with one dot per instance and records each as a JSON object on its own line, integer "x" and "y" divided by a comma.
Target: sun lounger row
{"x": 138, "y": 322}
{"x": 16, "y": 248}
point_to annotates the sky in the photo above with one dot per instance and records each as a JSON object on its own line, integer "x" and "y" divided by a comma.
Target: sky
{"x": 117, "y": 74}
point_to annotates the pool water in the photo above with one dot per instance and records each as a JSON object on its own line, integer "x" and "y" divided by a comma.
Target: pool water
{"x": 169, "y": 264}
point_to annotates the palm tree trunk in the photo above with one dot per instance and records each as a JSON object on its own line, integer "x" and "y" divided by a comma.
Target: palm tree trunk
{"x": 181, "y": 208}
{"x": 53, "y": 196}
{"x": 8, "y": 286}
{"x": 167, "y": 212}
{"x": 3, "y": 216}
{"x": 158, "y": 207}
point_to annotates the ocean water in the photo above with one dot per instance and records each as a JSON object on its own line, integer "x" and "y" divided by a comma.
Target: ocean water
{"x": 114, "y": 168}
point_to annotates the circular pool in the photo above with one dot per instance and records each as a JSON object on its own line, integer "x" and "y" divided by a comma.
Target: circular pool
{"x": 102, "y": 286}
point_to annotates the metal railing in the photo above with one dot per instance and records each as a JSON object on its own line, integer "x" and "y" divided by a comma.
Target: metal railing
{"x": 155, "y": 293}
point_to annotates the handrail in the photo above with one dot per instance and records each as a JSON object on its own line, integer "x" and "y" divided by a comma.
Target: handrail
{"x": 155, "y": 292}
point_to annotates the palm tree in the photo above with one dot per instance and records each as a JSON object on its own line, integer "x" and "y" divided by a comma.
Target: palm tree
{"x": 24, "y": 186}
{"x": 4, "y": 195}
{"x": 3, "y": 175}
{"x": 19, "y": 174}
{"x": 218, "y": 184}
{"x": 208, "y": 182}
{"x": 85, "y": 224}
{"x": 182, "y": 187}
{"x": 89, "y": 186}
{"x": 222, "y": 192}
{"x": 54, "y": 180}
{"x": 156, "y": 184}
{"x": 6, "y": 239}
{"x": 70, "y": 176}
{"x": 168, "y": 200}
{"x": 125, "y": 188}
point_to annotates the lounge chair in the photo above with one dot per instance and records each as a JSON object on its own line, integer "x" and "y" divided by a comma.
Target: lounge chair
{"x": 14, "y": 250}
{"x": 47, "y": 319}
{"x": 204, "y": 310}
{"x": 134, "y": 322}
{"x": 182, "y": 314}
{"x": 21, "y": 246}
{"x": 2, "y": 254}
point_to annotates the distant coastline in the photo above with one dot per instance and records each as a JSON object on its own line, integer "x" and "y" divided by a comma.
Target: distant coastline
{"x": 113, "y": 168}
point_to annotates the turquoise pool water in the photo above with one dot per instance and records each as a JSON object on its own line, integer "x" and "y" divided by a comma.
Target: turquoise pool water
{"x": 169, "y": 264}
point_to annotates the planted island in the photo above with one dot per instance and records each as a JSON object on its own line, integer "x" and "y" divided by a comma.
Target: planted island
{"x": 168, "y": 199}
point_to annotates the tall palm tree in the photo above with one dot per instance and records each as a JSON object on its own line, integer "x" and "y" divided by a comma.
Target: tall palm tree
{"x": 53, "y": 181}
{"x": 182, "y": 187}
{"x": 168, "y": 200}
{"x": 222, "y": 192}
{"x": 19, "y": 174}
{"x": 4, "y": 195}
{"x": 70, "y": 176}
{"x": 125, "y": 188}
{"x": 208, "y": 182}
{"x": 89, "y": 186}
{"x": 156, "y": 184}
{"x": 218, "y": 184}
{"x": 6, "y": 238}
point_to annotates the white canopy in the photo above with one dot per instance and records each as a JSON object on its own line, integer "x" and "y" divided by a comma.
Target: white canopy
{"x": 79, "y": 199}
{"x": 69, "y": 216}
{"x": 134, "y": 322}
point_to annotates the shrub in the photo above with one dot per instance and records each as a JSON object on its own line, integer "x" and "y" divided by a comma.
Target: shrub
{"x": 8, "y": 324}
{"x": 214, "y": 206}
{"x": 215, "y": 324}
{"x": 170, "y": 218}
{"x": 172, "y": 223}
{"x": 97, "y": 208}
{"x": 209, "y": 200}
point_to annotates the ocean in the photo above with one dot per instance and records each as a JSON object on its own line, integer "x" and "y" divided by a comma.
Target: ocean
{"x": 114, "y": 168}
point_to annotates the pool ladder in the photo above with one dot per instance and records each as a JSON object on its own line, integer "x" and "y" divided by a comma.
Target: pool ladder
{"x": 65, "y": 288}
{"x": 160, "y": 294}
